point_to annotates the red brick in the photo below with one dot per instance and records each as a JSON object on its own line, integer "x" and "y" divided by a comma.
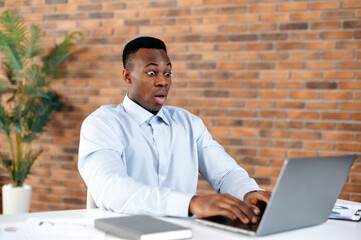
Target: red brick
{"x": 305, "y": 135}
{"x": 259, "y": 104}
{"x": 318, "y": 145}
{"x": 272, "y": 94}
{"x": 244, "y": 132}
{"x": 320, "y": 65}
{"x": 337, "y": 35}
{"x": 232, "y": 28}
{"x": 290, "y": 104}
{"x": 245, "y": 18}
{"x": 350, "y": 105}
{"x": 325, "y": 25}
{"x": 289, "y": 65}
{"x": 292, "y": 6}
{"x": 320, "y": 45}
{"x": 304, "y": 36}
{"x": 349, "y": 127}
{"x": 287, "y": 144}
{"x": 289, "y": 46}
{"x": 357, "y": 116}
{"x": 337, "y": 15}
{"x": 321, "y": 105}
{"x": 257, "y": 124}
{"x": 263, "y": 27}
{"x": 259, "y": 65}
{"x": 267, "y": 171}
{"x": 337, "y": 136}
{"x": 229, "y": 84}
{"x": 216, "y": 19}
{"x": 215, "y": 56}
{"x": 273, "y": 56}
{"x": 306, "y": 75}
{"x": 274, "y": 134}
{"x": 304, "y": 55}
{"x": 274, "y": 75}
{"x": 302, "y": 115}
{"x": 338, "y": 55}
{"x": 350, "y": 65}
{"x": 244, "y": 75}
{"x": 262, "y": 8}
{"x": 258, "y": 84}
{"x": 275, "y": 17}
{"x": 213, "y": 112}
{"x": 349, "y": 44}
{"x": 351, "y": 4}
{"x": 272, "y": 153}
{"x": 337, "y": 95}
{"x": 258, "y": 46}
{"x": 348, "y": 147}
{"x": 338, "y": 75}
{"x": 244, "y": 56}
{"x": 216, "y": 2}
{"x": 243, "y": 113}
{"x": 306, "y": 16}
{"x": 324, "y": 5}
{"x": 243, "y": 94}
{"x": 335, "y": 116}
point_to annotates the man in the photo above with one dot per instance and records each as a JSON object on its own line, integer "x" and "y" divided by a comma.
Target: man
{"x": 143, "y": 157}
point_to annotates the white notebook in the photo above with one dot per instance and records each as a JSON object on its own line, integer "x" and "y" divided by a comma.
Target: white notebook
{"x": 143, "y": 227}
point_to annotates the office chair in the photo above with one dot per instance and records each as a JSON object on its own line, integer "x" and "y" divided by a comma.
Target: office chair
{"x": 90, "y": 201}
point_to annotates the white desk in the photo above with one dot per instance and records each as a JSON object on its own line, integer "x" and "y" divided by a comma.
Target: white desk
{"x": 331, "y": 230}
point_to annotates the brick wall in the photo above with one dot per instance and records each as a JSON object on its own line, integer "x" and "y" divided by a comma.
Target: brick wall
{"x": 271, "y": 79}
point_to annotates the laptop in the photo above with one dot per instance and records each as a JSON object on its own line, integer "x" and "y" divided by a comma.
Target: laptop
{"x": 304, "y": 195}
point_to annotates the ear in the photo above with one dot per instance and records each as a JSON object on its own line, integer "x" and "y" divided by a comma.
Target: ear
{"x": 127, "y": 76}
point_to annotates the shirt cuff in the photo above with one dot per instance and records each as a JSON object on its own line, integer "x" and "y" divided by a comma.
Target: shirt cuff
{"x": 178, "y": 204}
{"x": 247, "y": 190}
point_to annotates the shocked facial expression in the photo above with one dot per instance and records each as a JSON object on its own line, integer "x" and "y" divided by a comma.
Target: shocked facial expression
{"x": 149, "y": 78}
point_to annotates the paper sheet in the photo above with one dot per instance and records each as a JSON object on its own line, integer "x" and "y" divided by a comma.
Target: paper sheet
{"x": 51, "y": 228}
{"x": 346, "y": 212}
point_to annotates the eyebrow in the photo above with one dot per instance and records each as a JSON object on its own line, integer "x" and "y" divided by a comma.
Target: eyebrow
{"x": 154, "y": 64}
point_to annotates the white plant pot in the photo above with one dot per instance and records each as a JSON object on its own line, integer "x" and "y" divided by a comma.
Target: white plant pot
{"x": 16, "y": 199}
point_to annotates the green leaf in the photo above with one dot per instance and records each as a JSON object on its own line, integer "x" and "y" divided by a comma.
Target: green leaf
{"x": 34, "y": 47}
{"x": 12, "y": 37}
{"x": 5, "y": 120}
{"x": 9, "y": 73}
{"x": 13, "y": 27}
{"x": 59, "y": 54}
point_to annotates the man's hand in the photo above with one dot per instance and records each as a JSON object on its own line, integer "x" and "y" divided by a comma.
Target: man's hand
{"x": 225, "y": 205}
{"x": 255, "y": 199}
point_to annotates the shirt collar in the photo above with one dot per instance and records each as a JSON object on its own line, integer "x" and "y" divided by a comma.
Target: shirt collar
{"x": 140, "y": 114}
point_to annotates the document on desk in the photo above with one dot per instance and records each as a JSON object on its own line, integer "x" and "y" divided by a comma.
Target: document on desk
{"x": 346, "y": 212}
{"x": 51, "y": 228}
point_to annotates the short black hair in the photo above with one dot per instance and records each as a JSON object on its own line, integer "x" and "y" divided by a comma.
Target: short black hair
{"x": 140, "y": 42}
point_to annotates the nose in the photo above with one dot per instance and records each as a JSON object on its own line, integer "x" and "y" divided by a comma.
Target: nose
{"x": 161, "y": 81}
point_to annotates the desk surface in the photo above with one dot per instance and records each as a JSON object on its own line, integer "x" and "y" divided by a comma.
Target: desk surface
{"x": 332, "y": 229}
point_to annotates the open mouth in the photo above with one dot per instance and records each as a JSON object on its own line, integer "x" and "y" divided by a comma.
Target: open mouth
{"x": 161, "y": 98}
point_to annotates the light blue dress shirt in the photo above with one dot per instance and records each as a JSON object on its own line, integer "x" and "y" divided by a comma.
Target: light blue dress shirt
{"x": 135, "y": 162}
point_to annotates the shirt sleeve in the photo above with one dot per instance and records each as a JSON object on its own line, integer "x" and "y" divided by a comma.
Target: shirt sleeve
{"x": 220, "y": 170}
{"x": 103, "y": 169}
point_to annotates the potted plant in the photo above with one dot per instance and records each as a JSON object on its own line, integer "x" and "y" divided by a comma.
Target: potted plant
{"x": 27, "y": 101}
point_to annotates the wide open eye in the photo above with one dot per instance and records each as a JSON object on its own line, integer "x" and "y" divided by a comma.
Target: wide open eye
{"x": 168, "y": 74}
{"x": 151, "y": 73}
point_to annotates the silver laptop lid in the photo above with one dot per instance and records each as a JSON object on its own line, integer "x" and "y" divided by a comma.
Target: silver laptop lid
{"x": 305, "y": 193}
